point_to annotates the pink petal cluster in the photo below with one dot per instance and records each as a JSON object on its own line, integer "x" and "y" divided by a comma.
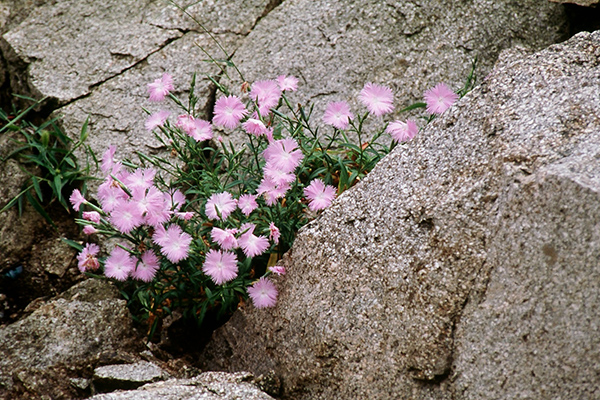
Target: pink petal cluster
{"x": 198, "y": 129}
{"x": 251, "y": 244}
{"x": 378, "y": 99}
{"x": 338, "y": 114}
{"x": 229, "y": 111}
{"x": 92, "y": 216}
{"x": 439, "y": 98}
{"x": 174, "y": 243}
{"x": 160, "y": 88}
{"x": 287, "y": 83}
{"x": 266, "y": 94}
{"x": 319, "y": 195}
{"x": 225, "y": 238}
{"x": 76, "y": 199}
{"x": 277, "y": 269}
{"x": 402, "y": 131}
{"x": 255, "y": 127}
{"x": 86, "y": 259}
{"x": 247, "y": 203}
{"x": 263, "y": 293}
{"x": 157, "y": 119}
{"x": 220, "y": 206}
{"x": 119, "y": 264}
{"x": 146, "y": 267}
{"x": 274, "y": 233}
{"x": 284, "y": 154}
{"x": 221, "y": 266}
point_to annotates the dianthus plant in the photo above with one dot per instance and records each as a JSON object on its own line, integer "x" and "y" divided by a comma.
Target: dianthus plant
{"x": 201, "y": 230}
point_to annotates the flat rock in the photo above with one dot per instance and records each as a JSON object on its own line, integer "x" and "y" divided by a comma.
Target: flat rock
{"x": 60, "y": 340}
{"x": 463, "y": 266}
{"x": 70, "y": 46}
{"x": 108, "y": 378}
{"x": 584, "y": 3}
{"x": 207, "y": 386}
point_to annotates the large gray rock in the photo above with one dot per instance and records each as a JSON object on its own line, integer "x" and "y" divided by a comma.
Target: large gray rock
{"x": 207, "y": 386}
{"x": 96, "y": 60}
{"x": 71, "y": 46}
{"x": 108, "y": 378}
{"x": 62, "y": 339}
{"x": 335, "y": 47}
{"x": 465, "y": 266}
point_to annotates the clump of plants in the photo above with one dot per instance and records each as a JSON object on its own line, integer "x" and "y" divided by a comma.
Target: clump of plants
{"x": 47, "y": 156}
{"x": 201, "y": 231}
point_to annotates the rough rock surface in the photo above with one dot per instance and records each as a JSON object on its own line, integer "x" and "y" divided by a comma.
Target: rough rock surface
{"x": 335, "y": 47}
{"x": 465, "y": 266}
{"x": 584, "y": 3}
{"x": 408, "y": 45}
{"x": 62, "y": 339}
{"x": 56, "y": 52}
{"x": 207, "y": 386}
{"x": 108, "y": 378}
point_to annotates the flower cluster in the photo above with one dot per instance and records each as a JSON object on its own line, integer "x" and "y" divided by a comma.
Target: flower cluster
{"x": 208, "y": 235}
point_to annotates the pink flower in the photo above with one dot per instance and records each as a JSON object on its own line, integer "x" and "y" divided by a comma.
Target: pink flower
{"x": 186, "y": 216}
{"x": 255, "y": 127}
{"x": 119, "y": 264}
{"x": 266, "y": 94}
{"x": 86, "y": 260}
{"x": 220, "y": 266}
{"x": 108, "y": 159}
{"x": 229, "y": 111}
{"x": 271, "y": 191}
{"x": 277, "y": 175}
{"x": 338, "y": 114}
{"x": 110, "y": 193}
{"x": 175, "y": 198}
{"x": 220, "y": 205}
{"x": 284, "y": 154}
{"x": 173, "y": 242}
{"x": 224, "y": 237}
{"x": 157, "y": 119}
{"x": 287, "y": 83}
{"x": 146, "y": 267}
{"x": 202, "y": 130}
{"x": 160, "y": 88}
{"x": 319, "y": 194}
{"x": 77, "y": 199}
{"x": 140, "y": 179}
{"x": 277, "y": 269}
{"x": 185, "y": 122}
{"x": 92, "y": 216}
{"x": 251, "y": 244}
{"x": 274, "y": 232}
{"x": 263, "y": 293}
{"x": 247, "y": 203}
{"x": 126, "y": 216}
{"x": 402, "y": 131}
{"x": 439, "y": 99}
{"x": 378, "y": 99}
{"x": 89, "y": 230}
{"x": 199, "y": 129}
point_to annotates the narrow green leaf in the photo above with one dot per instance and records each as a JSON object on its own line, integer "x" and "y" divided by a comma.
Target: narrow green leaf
{"x": 36, "y": 186}
{"x": 38, "y": 207}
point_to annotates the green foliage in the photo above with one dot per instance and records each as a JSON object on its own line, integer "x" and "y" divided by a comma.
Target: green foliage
{"x": 49, "y": 149}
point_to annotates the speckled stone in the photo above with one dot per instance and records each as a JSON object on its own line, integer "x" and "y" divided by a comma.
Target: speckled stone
{"x": 207, "y": 386}
{"x": 465, "y": 265}
{"x": 335, "y": 47}
{"x": 108, "y": 378}
{"x": 40, "y": 352}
